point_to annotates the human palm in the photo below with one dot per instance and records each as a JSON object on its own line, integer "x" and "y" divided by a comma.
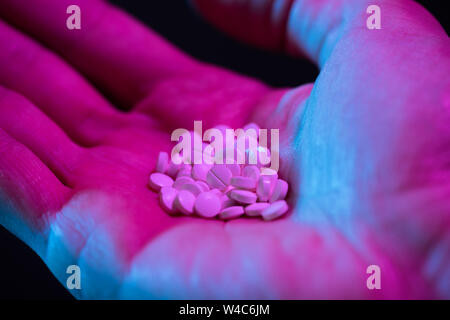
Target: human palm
{"x": 363, "y": 150}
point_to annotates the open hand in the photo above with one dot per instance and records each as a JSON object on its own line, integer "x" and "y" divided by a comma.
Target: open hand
{"x": 84, "y": 113}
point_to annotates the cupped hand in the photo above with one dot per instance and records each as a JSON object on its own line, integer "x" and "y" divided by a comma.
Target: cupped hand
{"x": 83, "y": 114}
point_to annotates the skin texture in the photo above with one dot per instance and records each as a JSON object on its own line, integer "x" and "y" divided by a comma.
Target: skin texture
{"x": 83, "y": 115}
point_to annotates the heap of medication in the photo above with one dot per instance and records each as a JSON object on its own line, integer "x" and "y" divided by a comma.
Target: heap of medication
{"x": 224, "y": 191}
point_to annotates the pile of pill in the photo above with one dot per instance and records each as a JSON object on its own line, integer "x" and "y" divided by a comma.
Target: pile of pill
{"x": 224, "y": 191}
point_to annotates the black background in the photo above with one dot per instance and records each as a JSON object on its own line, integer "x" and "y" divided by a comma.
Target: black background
{"x": 22, "y": 273}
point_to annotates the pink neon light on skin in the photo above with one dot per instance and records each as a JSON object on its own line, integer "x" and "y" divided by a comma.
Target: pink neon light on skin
{"x": 372, "y": 158}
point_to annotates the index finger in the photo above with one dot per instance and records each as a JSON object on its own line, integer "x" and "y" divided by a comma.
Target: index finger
{"x": 119, "y": 54}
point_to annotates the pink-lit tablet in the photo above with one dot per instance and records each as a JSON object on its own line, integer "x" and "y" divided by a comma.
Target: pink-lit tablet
{"x": 234, "y": 168}
{"x": 243, "y": 196}
{"x": 279, "y": 191}
{"x": 217, "y": 192}
{"x": 255, "y": 209}
{"x": 199, "y": 171}
{"x": 264, "y": 188}
{"x": 222, "y": 173}
{"x": 243, "y": 183}
{"x": 162, "y": 162}
{"x": 219, "y": 177}
{"x": 226, "y": 201}
{"x": 185, "y": 171}
{"x": 214, "y": 182}
{"x": 251, "y": 171}
{"x": 203, "y": 185}
{"x": 167, "y": 196}
{"x": 179, "y": 182}
{"x": 207, "y": 205}
{"x": 173, "y": 169}
{"x": 194, "y": 188}
{"x": 269, "y": 173}
{"x": 158, "y": 180}
{"x": 231, "y": 212}
{"x": 184, "y": 202}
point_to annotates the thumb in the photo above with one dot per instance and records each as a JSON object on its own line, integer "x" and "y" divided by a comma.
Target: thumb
{"x": 313, "y": 27}
{"x": 298, "y": 27}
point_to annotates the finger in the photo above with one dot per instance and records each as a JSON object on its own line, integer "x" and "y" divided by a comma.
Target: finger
{"x": 55, "y": 88}
{"x": 261, "y": 23}
{"x": 26, "y": 123}
{"x": 29, "y": 192}
{"x": 116, "y": 52}
{"x": 195, "y": 95}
